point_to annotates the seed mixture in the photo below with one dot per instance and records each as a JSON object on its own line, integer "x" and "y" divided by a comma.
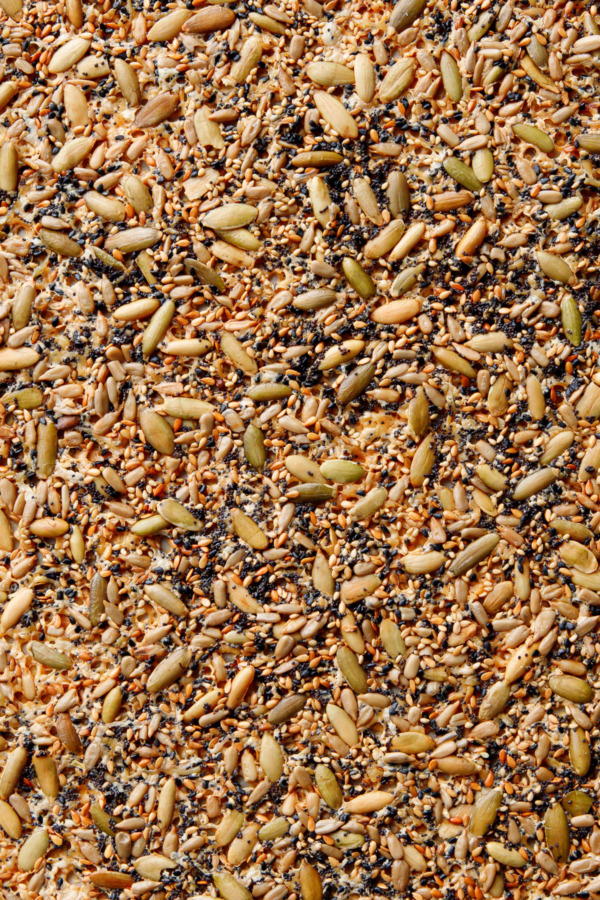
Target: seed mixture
{"x": 299, "y": 498}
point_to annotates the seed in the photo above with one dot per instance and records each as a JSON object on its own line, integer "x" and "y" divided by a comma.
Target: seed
{"x": 47, "y": 775}
{"x": 329, "y": 73}
{"x": 276, "y": 828}
{"x": 12, "y": 8}
{"x": 533, "y": 135}
{"x": 355, "y": 383}
{"x": 201, "y": 706}
{"x": 320, "y": 199}
{"x": 396, "y": 312}
{"x": 230, "y": 215}
{"x": 48, "y": 527}
{"x": 342, "y": 471}
{"x": 286, "y": 709}
{"x": 471, "y": 240}
{"x": 250, "y": 56}
{"x": 452, "y": 361}
{"x": 360, "y": 280}
{"x": 229, "y": 888}
{"x": 16, "y": 608}
{"x": 577, "y": 803}
{"x": 153, "y": 865}
{"x": 177, "y": 515}
{"x": 456, "y": 765}
{"x": 485, "y": 811}
{"x": 101, "y": 819}
{"x": 320, "y": 298}
{"x": 149, "y": 525}
{"x": 564, "y": 208}
{"x": 209, "y": 19}
{"x": 337, "y": 356}
{"x": 396, "y": 81}
{"x": 111, "y": 880}
{"x": 132, "y": 239}
{"x": 578, "y": 556}
{"x": 351, "y": 669}
{"x": 157, "y": 432}
{"x": 71, "y": 154}
{"x": 186, "y": 407}
{"x": 372, "y": 801}
{"x": 475, "y": 553}
{"x": 98, "y": 598}
{"x": 316, "y": 159}
{"x": 240, "y": 237}
{"x": 518, "y": 663}
{"x": 336, "y": 115}
{"x": 571, "y": 688}
{"x": 34, "y": 848}
{"x": 494, "y": 702}
{"x": 9, "y": 172}
{"x": 505, "y": 855}
{"x": 451, "y": 77}
{"x": 418, "y": 414}
{"x": 12, "y": 771}
{"x": 169, "y": 670}
{"x": 230, "y": 825}
{"x": 579, "y": 752}
{"x": 483, "y": 165}
{"x": 589, "y": 141}
{"x": 358, "y": 588}
{"x": 254, "y": 447}
{"x": 156, "y": 111}
{"x": 169, "y": 26}
{"x": 347, "y": 841}
{"x": 59, "y": 243}
{"x": 313, "y": 493}
{"x": 387, "y": 238}
{"x": 128, "y": 83}
{"x": 166, "y": 804}
{"x": 189, "y": 347}
{"x": 556, "y": 829}
{"x": 463, "y": 174}
{"x": 366, "y": 199}
{"x": 157, "y": 327}
{"x": 498, "y": 396}
{"x": 534, "y": 483}
{"x": 67, "y": 734}
{"x": 106, "y": 207}
{"x": 68, "y": 54}
{"x": 571, "y": 320}
{"x": 392, "y": 639}
{"x": 422, "y": 462}
{"x": 49, "y": 657}
{"x": 423, "y": 563}
{"x": 535, "y": 398}
{"x": 554, "y": 267}
{"x": 364, "y": 74}
{"x": 232, "y": 348}
{"x": 590, "y": 462}
{"x": 322, "y": 578}
{"x": 9, "y": 821}
{"x": 247, "y": 529}
{"x": 368, "y": 505}
{"x": 406, "y": 280}
{"x": 112, "y": 705}
{"x": 342, "y": 724}
{"x": 311, "y": 887}
{"x": 304, "y": 468}
{"x": 481, "y": 26}
{"x": 328, "y": 786}
{"x": 413, "y": 742}
{"x": 406, "y": 12}
{"x": 271, "y": 757}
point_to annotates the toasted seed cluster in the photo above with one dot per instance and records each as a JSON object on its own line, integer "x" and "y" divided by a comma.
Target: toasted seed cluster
{"x": 299, "y": 493}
